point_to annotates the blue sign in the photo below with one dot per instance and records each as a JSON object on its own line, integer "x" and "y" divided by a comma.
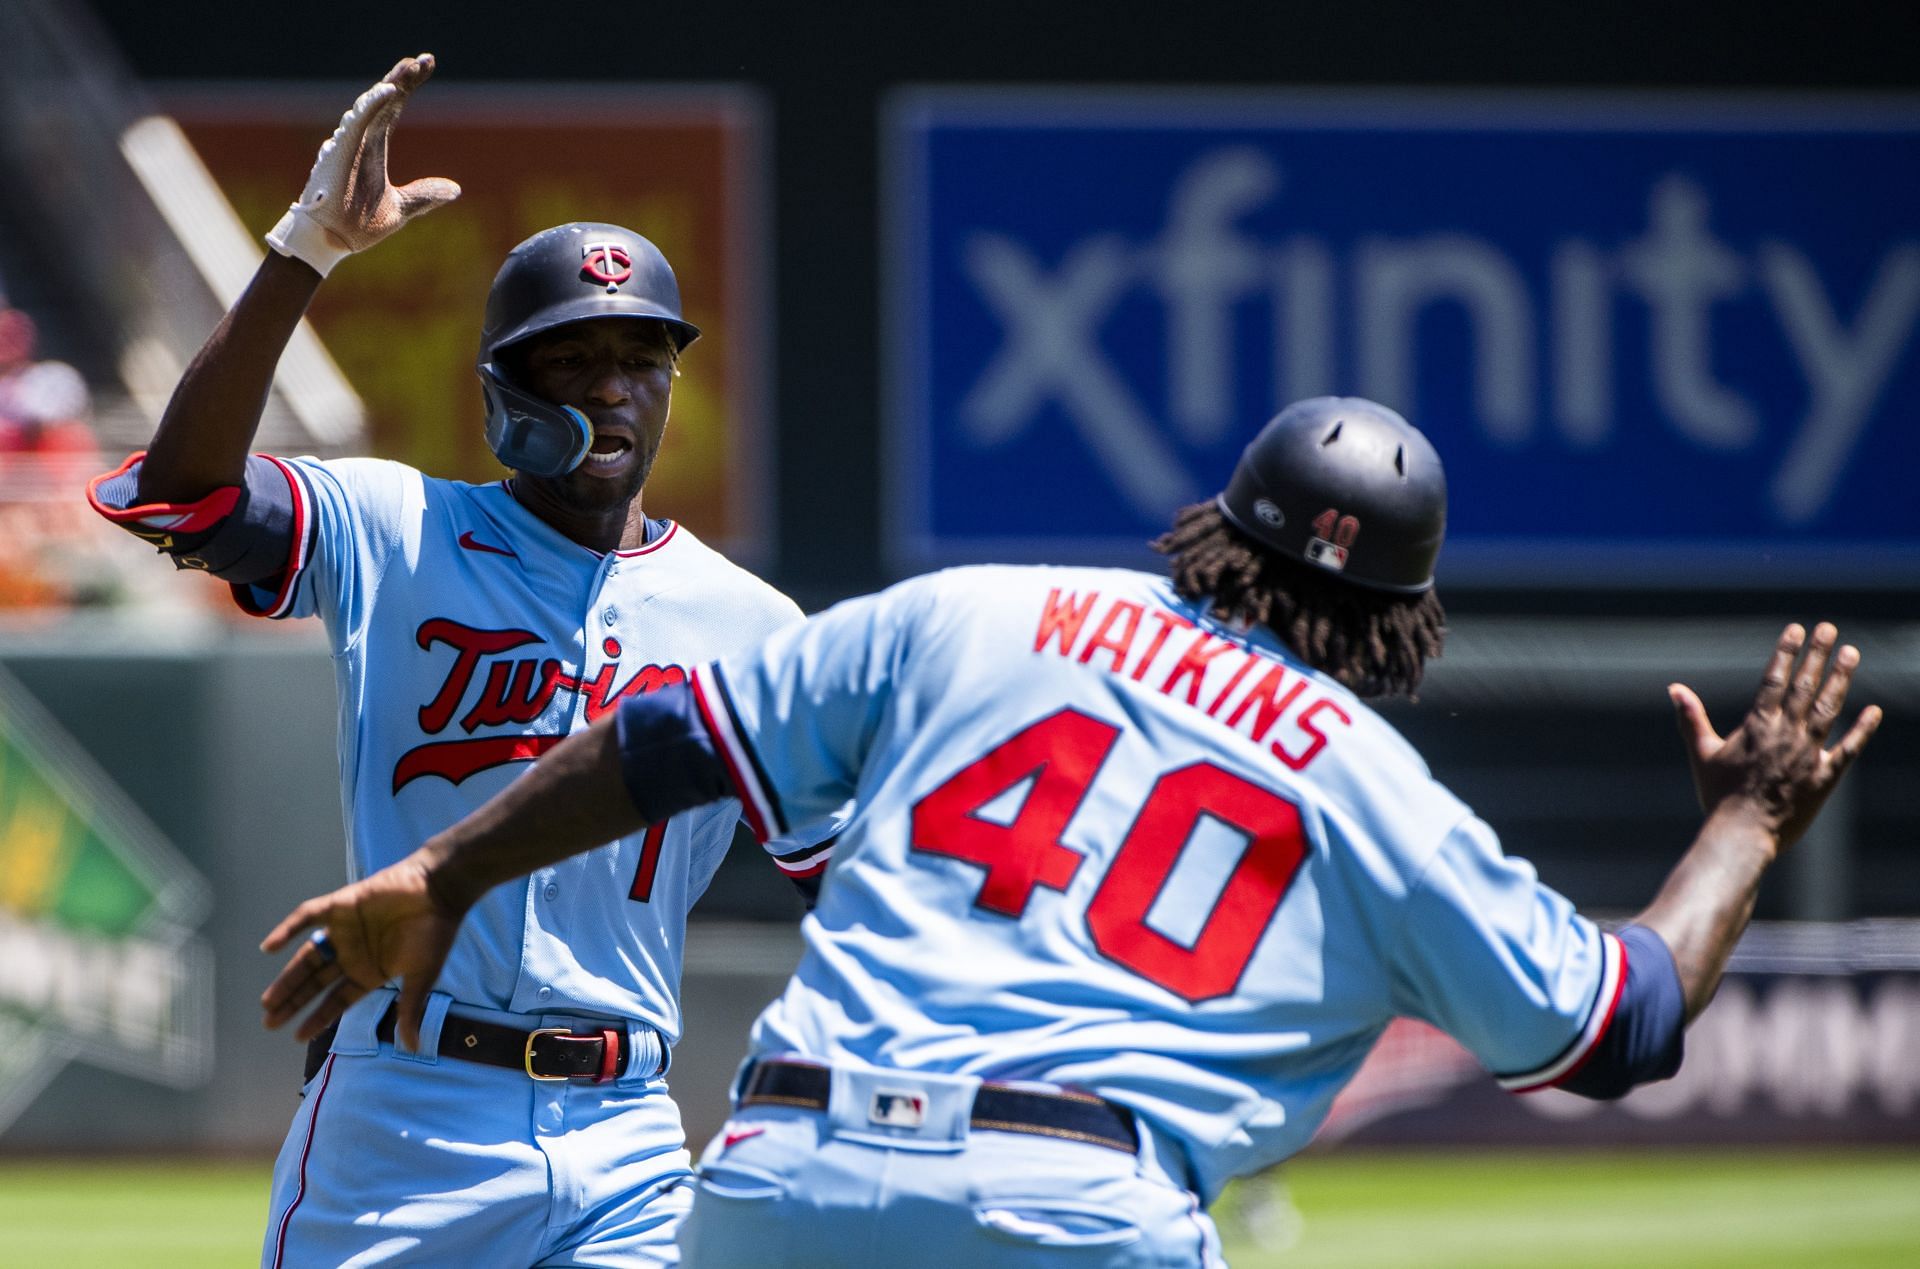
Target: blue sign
{"x": 1665, "y": 341}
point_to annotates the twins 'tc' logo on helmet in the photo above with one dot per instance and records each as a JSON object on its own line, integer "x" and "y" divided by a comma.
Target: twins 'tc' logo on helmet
{"x": 607, "y": 263}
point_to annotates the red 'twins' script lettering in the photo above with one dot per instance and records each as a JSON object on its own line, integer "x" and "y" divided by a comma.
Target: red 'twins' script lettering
{"x": 602, "y": 696}
{"x": 516, "y": 690}
{"x": 469, "y": 646}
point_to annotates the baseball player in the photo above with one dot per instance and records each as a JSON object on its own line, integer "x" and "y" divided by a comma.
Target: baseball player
{"x": 472, "y": 628}
{"x": 1134, "y": 877}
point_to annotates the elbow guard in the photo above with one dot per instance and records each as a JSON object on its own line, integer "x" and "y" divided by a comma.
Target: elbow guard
{"x": 240, "y": 533}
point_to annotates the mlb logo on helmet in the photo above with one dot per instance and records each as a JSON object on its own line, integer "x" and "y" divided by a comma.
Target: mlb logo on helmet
{"x": 897, "y": 1109}
{"x": 1326, "y": 554}
{"x": 607, "y": 263}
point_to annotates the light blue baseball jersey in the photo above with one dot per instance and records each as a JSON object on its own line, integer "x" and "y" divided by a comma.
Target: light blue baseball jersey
{"x": 469, "y": 636}
{"x": 1102, "y": 839}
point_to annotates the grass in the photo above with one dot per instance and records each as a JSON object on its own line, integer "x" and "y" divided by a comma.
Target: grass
{"x": 158, "y": 1215}
{"x": 1644, "y": 1208}
{"x": 1648, "y": 1209}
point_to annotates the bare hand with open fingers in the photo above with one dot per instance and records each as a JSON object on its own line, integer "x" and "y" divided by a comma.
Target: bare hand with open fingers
{"x": 1776, "y": 763}
{"x": 348, "y": 203}
{"x": 387, "y": 926}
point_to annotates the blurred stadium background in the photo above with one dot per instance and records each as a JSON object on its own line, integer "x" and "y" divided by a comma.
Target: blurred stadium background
{"x": 1006, "y": 281}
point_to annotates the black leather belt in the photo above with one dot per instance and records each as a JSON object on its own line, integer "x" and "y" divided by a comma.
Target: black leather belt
{"x": 998, "y": 1107}
{"x": 546, "y": 1053}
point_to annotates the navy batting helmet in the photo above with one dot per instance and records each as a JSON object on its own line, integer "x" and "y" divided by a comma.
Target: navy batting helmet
{"x": 1347, "y": 485}
{"x": 570, "y": 273}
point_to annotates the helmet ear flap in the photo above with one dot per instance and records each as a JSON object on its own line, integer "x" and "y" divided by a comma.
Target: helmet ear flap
{"x": 531, "y": 435}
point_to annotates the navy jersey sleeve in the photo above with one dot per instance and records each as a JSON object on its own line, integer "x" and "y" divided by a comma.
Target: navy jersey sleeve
{"x": 1647, "y": 1038}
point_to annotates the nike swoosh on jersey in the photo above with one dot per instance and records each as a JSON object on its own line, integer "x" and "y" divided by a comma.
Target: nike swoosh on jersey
{"x": 736, "y": 1135}
{"x": 467, "y": 540}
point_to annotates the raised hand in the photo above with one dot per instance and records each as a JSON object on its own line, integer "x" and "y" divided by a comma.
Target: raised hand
{"x": 386, "y": 926}
{"x": 1777, "y": 759}
{"x": 348, "y": 203}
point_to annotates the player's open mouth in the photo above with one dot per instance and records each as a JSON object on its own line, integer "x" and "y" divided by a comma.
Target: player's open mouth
{"x": 608, "y": 452}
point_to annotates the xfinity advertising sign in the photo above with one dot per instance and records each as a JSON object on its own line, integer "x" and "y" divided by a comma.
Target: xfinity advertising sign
{"x": 1656, "y": 341}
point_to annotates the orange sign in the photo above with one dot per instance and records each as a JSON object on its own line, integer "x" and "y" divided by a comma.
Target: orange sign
{"x": 681, "y": 166}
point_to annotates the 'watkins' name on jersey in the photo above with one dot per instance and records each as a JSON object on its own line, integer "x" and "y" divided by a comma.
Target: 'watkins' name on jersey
{"x": 1068, "y": 628}
{"x": 514, "y": 691}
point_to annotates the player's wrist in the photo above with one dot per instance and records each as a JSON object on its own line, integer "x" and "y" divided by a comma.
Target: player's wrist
{"x": 448, "y": 887}
{"x": 299, "y": 236}
{"x": 1747, "y": 823}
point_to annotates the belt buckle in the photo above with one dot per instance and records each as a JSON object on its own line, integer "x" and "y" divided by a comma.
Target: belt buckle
{"x": 535, "y": 1035}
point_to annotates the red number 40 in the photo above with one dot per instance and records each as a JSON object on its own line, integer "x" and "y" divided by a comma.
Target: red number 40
{"x": 1061, "y": 754}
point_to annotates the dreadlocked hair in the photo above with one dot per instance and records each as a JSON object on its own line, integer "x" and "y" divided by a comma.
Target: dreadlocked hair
{"x": 1375, "y": 643}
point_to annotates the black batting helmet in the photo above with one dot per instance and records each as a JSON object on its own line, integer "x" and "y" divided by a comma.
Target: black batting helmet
{"x": 1346, "y": 485}
{"x": 570, "y": 273}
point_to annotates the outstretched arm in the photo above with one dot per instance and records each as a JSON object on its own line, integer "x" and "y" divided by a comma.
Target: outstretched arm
{"x": 347, "y": 206}
{"x": 650, "y": 759}
{"x": 1761, "y": 786}
{"x": 788, "y": 739}
{"x": 1599, "y": 1012}
{"x": 401, "y": 921}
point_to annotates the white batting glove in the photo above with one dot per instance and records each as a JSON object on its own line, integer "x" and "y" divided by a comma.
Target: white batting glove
{"x": 348, "y": 205}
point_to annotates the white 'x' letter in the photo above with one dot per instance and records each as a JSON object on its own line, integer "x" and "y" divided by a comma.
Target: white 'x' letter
{"x": 1050, "y": 353}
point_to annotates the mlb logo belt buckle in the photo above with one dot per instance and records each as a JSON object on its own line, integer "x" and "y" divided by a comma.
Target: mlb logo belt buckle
{"x": 898, "y": 1108}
